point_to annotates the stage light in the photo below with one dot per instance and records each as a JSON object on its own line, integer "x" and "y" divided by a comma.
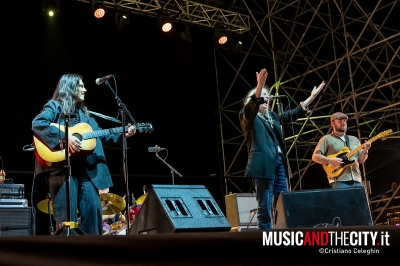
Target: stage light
{"x": 50, "y": 7}
{"x": 98, "y": 8}
{"x": 165, "y": 22}
{"x": 121, "y": 20}
{"x": 167, "y": 26}
{"x": 221, "y": 36}
{"x": 237, "y": 44}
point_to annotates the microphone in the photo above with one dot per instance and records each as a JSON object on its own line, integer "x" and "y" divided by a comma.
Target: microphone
{"x": 155, "y": 149}
{"x": 277, "y": 97}
{"x": 101, "y": 80}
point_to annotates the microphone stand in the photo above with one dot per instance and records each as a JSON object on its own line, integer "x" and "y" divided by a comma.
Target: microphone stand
{"x": 68, "y": 225}
{"x": 124, "y": 112}
{"x": 51, "y": 229}
{"x": 172, "y": 169}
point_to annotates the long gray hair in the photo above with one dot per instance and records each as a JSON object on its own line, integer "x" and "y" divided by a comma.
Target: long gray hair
{"x": 251, "y": 92}
{"x": 265, "y": 115}
{"x": 66, "y": 93}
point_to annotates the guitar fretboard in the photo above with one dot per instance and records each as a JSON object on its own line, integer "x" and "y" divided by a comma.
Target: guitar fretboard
{"x": 103, "y": 133}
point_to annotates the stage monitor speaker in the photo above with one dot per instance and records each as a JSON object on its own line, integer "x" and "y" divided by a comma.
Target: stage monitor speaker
{"x": 18, "y": 221}
{"x": 179, "y": 208}
{"x": 324, "y": 207}
{"x": 241, "y": 209}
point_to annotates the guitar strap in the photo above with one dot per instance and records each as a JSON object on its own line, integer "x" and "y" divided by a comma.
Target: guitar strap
{"x": 105, "y": 117}
{"x": 347, "y": 141}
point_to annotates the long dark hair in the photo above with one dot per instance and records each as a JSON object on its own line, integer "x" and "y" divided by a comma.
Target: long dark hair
{"x": 66, "y": 93}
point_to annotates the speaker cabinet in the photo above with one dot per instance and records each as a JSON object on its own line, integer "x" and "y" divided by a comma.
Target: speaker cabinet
{"x": 241, "y": 209}
{"x": 179, "y": 208}
{"x": 318, "y": 208}
{"x": 17, "y": 221}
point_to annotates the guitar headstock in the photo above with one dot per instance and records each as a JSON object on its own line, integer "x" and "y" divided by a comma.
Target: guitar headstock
{"x": 385, "y": 133}
{"x": 146, "y": 127}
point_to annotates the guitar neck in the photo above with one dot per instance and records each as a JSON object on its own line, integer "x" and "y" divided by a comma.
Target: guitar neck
{"x": 353, "y": 152}
{"x": 103, "y": 132}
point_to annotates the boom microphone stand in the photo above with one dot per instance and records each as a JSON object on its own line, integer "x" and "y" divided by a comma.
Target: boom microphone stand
{"x": 124, "y": 112}
{"x": 172, "y": 169}
{"x": 68, "y": 225}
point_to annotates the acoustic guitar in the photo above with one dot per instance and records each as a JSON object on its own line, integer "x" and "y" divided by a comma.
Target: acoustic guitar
{"x": 83, "y": 131}
{"x": 345, "y": 154}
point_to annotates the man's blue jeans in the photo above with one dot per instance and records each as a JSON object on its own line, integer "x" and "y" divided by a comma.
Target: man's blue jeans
{"x": 267, "y": 193}
{"x": 342, "y": 184}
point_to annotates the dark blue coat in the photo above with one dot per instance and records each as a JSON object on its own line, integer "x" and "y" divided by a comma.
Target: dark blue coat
{"x": 96, "y": 167}
{"x": 261, "y": 139}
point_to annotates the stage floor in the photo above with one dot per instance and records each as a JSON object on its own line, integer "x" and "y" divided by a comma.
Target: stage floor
{"x": 203, "y": 248}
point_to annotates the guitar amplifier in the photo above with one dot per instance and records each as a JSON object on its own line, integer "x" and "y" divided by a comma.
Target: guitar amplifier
{"x": 241, "y": 210}
{"x": 12, "y": 191}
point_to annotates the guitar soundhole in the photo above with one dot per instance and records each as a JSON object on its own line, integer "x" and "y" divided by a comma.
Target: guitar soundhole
{"x": 77, "y": 135}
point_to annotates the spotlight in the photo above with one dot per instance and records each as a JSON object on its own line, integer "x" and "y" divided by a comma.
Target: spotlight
{"x": 221, "y": 36}
{"x": 167, "y": 26}
{"x": 121, "y": 20}
{"x": 237, "y": 44}
{"x": 50, "y": 7}
{"x": 165, "y": 23}
{"x": 98, "y": 8}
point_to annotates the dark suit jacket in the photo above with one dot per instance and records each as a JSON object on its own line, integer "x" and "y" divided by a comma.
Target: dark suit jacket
{"x": 261, "y": 139}
{"x": 96, "y": 167}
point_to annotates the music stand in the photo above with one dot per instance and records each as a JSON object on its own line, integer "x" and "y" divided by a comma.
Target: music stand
{"x": 68, "y": 225}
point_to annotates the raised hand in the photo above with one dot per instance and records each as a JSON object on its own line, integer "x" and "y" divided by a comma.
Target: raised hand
{"x": 261, "y": 77}
{"x": 316, "y": 90}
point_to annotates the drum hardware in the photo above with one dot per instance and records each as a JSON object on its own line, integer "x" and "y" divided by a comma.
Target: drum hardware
{"x": 46, "y": 206}
{"x": 135, "y": 209}
{"x": 141, "y": 199}
{"x": 111, "y": 203}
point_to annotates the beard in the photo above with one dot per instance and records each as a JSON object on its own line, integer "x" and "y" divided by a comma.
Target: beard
{"x": 341, "y": 129}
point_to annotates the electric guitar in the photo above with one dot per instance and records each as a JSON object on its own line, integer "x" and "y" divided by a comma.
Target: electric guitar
{"x": 84, "y": 132}
{"x": 345, "y": 154}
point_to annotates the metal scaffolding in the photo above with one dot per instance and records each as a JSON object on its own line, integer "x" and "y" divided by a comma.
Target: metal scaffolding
{"x": 352, "y": 45}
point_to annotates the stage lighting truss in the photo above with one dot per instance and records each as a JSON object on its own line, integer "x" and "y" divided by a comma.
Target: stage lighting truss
{"x": 98, "y": 8}
{"x": 51, "y": 7}
{"x": 185, "y": 11}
